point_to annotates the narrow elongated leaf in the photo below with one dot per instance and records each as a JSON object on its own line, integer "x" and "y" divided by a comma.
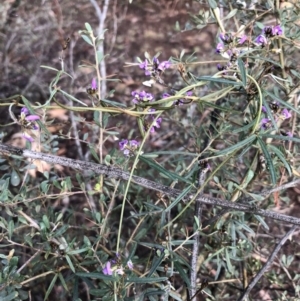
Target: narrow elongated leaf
{"x": 96, "y": 276}
{"x": 146, "y": 280}
{"x": 170, "y": 175}
{"x": 243, "y": 71}
{"x": 182, "y": 273}
{"x": 155, "y": 263}
{"x": 268, "y": 160}
{"x": 70, "y": 263}
{"x": 51, "y": 286}
{"x": 281, "y": 156}
{"x": 237, "y": 146}
{"x": 281, "y": 137}
{"x": 218, "y": 80}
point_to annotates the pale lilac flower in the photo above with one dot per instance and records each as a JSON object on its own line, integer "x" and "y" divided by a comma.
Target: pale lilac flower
{"x": 120, "y": 271}
{"x": 263, "y": 109}
{"x": 290, "y": 134}
{"x": 141, "y": 96}
{"x": 128, "y": 147}
{"x": 164, "y": 65}
{"x": 265, "y": 123}
{"x": 261, "y": 40}
{"x": 286, "y": 114}
{"x": 144, "y": 66}
{"x": 107, "y": 270}
{"x": 123, "y": 143}
{"x": 242, "y": 39}
{"x": 94, "y": 84}
{"x": 220, "y": 47}
{"x": 130, "y": 264}
{"x": 277, "y": 30}
{"x": 226, "y": 38}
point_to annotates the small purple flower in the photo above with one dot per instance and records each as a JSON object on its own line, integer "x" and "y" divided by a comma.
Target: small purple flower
{"x": 123, "y": 143}
{"x": 290, "y": 134}
{"x": 27, "y": 137}
{"x": 261, "y": 40}
{"x": 141, "y": 96}
{"x": 134, "y": 143}
{"x": 164, "y": 65}
{"x": 286, "y": 114}
{"x": 128, "y": 147}
{"x": 25, "y": 111}
{"x": 107, "y": 269}
{"x": 226, "y": 38}
{"x": 220, "y": 47}
{"x": 144, "y": 66}
{"x": 130, "y": 264}
{"x": 277, "y": 30}
{"x": 242, "y": 39}
{"x": 263, "y": 109}
{"x": 165, "y": 95}
{"x": 94, "y": 84}
{"x": 32, "y": 117}
{"x": 265, "y": 123}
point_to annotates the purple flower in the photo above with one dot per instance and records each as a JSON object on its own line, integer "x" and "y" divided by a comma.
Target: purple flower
{"x": 277, "y": 30}
{"x": 261, "y": 40}
{"x": 144, "y": 66}
{"x": 94, "y": 84}
{"x": 141, "y": 96}
{"x": 107, "y": 269}
{"x": 164, "y": 65}
{"x": 25, "y": 111}
{"x": 242, "y": 39}
{"x": 165, "y": 95}
{"x": 290, "y": 134}
{"x": 265, "y": 123}
{"x": 226, "y": 38}
{"x": 128, "y": 147}
{"x": 123, "y": 143}
{"x": 263, "y": 109}
{"x": 27, "y": 137}
{"x": 130, "y": 264}
{"x": 32, "y": 117}
{"x": 134, "y": 143}
{"x": 220, "y": 47}
{"x": 286, "y": 114}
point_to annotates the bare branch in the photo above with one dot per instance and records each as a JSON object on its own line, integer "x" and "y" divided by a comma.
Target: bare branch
{"x": 116, "y": 173}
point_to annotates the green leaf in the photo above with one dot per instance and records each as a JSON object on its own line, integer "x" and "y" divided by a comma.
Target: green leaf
{"x": 73, "y": 252}
{"x": 268, "y": 160}
{"x": 280, "y": 137}
{"x": 51, "y": 286}
{"x": 10, "y": 228}
{"x": 170, "y": 175}
{"x": 88, "y": 26}
{"x": 70, "y": 263}
{"x": 146, "y": 280}
{"x": 262, "y": 221}
{"x": 218, "y": 80}
{"x": 182, "y": 273}
{"x": 72, "y": 98}
{"x": 63, "y": 282}
{"x": 281, "y": 156}
{"x": 10, "y": 297}
{"x": 14, "y": 178}
{"x": 243, "y": 71}
{"x": 228, "y": 261}
{"x": 155, "y": 263}
{"x": 212, "y": 4}
{"x": 237, "y": 146}
{"x": 97, "y": 276}
{"x": 46, "y": 221}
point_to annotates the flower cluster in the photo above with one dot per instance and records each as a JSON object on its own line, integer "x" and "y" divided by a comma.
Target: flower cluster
{"x": 141, "y": 97}
{"x": 128, "y": 146}
{"x": 155, "y": 67}
{"x": 28, "y": 122}
{"x": 114, "y": 265}
{"x": 277, "y": 113}
{"x": 268, "y": 32}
